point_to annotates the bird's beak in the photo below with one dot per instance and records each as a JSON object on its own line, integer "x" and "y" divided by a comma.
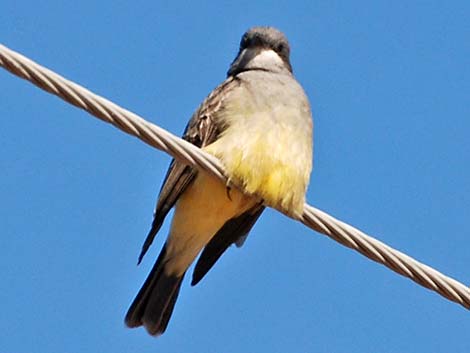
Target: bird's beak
{"x": 242, "y": 60}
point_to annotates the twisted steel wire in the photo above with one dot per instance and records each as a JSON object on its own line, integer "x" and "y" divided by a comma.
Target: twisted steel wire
{"x": 161, "y": 139}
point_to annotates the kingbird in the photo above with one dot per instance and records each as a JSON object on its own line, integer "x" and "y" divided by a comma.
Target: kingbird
{"x": 258, "y": 122}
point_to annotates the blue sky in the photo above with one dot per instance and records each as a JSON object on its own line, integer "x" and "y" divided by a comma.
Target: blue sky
{"x": 389, "y": 84}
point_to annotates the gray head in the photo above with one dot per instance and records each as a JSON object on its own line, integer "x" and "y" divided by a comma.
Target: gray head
{"x": 262, "y": 48}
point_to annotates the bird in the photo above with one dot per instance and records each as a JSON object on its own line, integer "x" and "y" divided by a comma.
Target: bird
{"x": 258, "y": 122}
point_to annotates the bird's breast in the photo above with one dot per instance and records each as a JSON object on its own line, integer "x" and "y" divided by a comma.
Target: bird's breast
{"x": 267, "y": 144}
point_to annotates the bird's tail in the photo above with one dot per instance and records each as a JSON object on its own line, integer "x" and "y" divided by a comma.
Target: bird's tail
{"x": 155, "y": 301}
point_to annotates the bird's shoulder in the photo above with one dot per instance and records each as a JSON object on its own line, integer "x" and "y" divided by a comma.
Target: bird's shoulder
{"x": 204, "y": 125}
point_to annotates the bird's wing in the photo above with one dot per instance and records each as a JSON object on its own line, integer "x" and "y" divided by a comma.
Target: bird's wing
{"x": 232, "y": 231}
{"x": 202, "y": 129}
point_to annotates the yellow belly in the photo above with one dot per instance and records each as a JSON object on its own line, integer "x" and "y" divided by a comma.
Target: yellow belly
{"x": 271, "y": 161}
{"x": 200, "y": 212}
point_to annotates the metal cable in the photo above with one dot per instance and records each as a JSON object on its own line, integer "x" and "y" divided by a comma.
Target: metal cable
{"x": 184, "y": 151}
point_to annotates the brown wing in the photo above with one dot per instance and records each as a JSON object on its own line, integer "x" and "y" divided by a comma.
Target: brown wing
{"x": 231, "y": 232}
{"x": 202, "y": 130}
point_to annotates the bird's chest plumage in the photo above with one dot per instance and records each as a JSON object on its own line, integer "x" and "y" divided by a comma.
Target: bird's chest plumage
{"x": 266, "y": 145}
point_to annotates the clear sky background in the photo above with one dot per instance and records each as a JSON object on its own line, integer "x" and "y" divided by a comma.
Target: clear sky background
{"x": 389, "y": 83}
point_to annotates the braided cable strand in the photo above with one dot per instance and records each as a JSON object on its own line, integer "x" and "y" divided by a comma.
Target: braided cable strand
{"x": 159, "y": 138}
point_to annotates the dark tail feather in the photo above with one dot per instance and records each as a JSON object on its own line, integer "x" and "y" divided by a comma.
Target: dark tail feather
{"x": 153, "y": 305}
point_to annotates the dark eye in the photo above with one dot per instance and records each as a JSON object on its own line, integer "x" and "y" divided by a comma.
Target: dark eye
{"x": 244, "y": 42}
{"x": 280, "y": 48}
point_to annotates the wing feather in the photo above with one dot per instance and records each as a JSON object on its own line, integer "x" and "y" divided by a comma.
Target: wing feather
{"x": 202, "y": 130}
{"x": 231, "y": 232}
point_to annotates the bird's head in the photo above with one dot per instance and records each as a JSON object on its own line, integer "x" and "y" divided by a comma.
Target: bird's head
{"x": 262, "y": 48}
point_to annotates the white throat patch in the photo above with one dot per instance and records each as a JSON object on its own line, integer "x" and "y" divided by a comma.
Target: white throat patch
{"x": 266, "y": 58}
